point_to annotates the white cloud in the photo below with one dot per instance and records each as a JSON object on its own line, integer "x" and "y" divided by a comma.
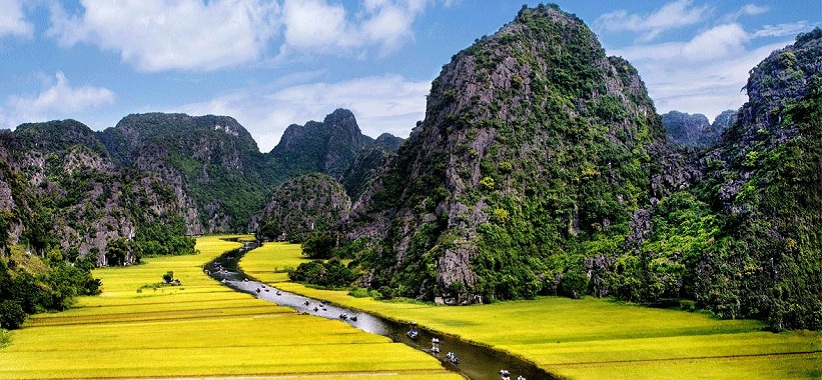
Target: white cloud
{"x": 745, "y": 10}
{"x": 207, "y": 35}
{"x": 717, "y": 42}
{"x": 388, "y": 103}
{"x": 13, "y": 21}
{"x": 59, "y": 100}
{"x": 318, "y": 26}
{"x": 708, "y": 86}
{"x": 673, "y": 15}
{"x": 163, "y": 35}
{"x": 782, "y": 30}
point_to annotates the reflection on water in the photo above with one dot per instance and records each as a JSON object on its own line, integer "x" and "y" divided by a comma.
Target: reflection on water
{"x": 475, "y": 362}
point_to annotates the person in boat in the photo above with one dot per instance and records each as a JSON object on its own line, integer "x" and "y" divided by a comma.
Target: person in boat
{"x": 435, "y": 345}
{"x": 504, "y": 374}
{"x": 520, "y": 377}
{"x": 413, "y": 333}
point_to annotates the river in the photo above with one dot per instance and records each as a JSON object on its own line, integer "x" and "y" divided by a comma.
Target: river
{"x": 475, "y": 362}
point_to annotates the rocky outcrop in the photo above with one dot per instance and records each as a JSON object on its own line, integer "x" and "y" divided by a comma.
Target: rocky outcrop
{"x": 685, "y": 129}
{"x": 531, "y": 136}
{"x": 305, "y": 205}
{"x": 335, "y": 147}
{"x": 694, "y": 130}
{"x": 60, "y": 189}
{"x": 210, "y": 161}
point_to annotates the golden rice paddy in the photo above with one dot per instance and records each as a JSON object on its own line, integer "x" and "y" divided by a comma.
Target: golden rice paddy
{"x": 198, "y": 329}
{"x": 591, "y": 338}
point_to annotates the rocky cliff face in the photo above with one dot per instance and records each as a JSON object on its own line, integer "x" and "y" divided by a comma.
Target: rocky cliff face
{"x": 694, "y": 130}
{"x": 211, "y": 162}
{"x": 766, "y": 179}
{"x": 534, "y": 142}
{"x": 335, "y": 146}
{"x": 307, "y": 204}
{"x": 61, "y": 190}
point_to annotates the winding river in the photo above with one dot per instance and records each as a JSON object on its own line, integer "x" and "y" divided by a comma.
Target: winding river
{"x": 475, "y": 362}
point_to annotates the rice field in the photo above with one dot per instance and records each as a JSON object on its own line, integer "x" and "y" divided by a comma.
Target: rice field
{"x": 592, "y": 338}
{"x": 199, "y": 329}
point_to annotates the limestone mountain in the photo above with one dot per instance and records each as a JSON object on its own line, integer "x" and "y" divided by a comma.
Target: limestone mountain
{"x": 532, "y": 157}
{"x": 62, "y": 192}
{"x": 332, "y": 146}
{"x": 683, "y": 128}
{"x": 307, "y": 204}
{"x": 211, "y": 162}
{"x": 765, "y": 179}
{"x": 542, "y": 168}
{"x": 721, "y": 123}
{"x": 695, "y": 130}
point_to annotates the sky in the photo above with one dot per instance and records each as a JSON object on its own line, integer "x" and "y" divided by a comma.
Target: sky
{"x": 272, "y": 63}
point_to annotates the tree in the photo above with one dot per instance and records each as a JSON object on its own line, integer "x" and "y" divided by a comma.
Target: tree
{"x": 319, "y": 246}
{"x": 12, "y": 314}
{"x": 117, "y": 251}
{"x": 168, "y": 277}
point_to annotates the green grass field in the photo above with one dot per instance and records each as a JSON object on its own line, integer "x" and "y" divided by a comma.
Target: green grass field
{"x": 591, "y": 338}
{"x": 200, "y": 329}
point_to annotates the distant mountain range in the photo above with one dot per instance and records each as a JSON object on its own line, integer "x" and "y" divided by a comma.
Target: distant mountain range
{"x": 541, "y": 167}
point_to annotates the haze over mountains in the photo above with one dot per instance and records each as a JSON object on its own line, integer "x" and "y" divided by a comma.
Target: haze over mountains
{"x": 541, "y": 167}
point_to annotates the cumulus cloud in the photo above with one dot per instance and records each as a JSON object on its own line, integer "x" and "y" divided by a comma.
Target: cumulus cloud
{"x": 319, "y": 26}
{"x": 59, "y": 100}
{"x": 388, "y": 103}
{"x": 703, "y": 75}
{"x": 717, "y": 42}
{"x": 13, "y": 21}
{"x": 207, "y": 35}
{"x": 672, "y": 15}
{"x": 164, "y": 35}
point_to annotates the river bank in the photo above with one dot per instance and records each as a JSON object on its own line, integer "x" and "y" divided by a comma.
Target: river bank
{"x": 590, "y": 338}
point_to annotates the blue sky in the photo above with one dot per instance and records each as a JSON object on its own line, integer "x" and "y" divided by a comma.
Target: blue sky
{"x": 272, "y": 63}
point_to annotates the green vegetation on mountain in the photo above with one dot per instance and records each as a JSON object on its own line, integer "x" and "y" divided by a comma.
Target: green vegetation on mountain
{"x": 305, "y": 205}
{"x": 66, "y": 208}
{"x": 210, "y": 160}
{"x": 763, "y": 255}
{"x": 530, "y": 162}
{"x": 542, "y": 168}
{"x": 335, "y": 147}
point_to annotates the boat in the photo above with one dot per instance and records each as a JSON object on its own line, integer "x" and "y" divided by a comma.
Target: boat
{"x": 413, "y": 334}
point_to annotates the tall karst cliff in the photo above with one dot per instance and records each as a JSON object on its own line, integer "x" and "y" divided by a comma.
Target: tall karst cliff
{"x": 532, "y": 157}
{"x": 335, "y": 147}
{"x": 61, "y": 192}
{"x": 765, "y": 179}
{"x": 211, "y": 161}
{"x": 542, "y": 168}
